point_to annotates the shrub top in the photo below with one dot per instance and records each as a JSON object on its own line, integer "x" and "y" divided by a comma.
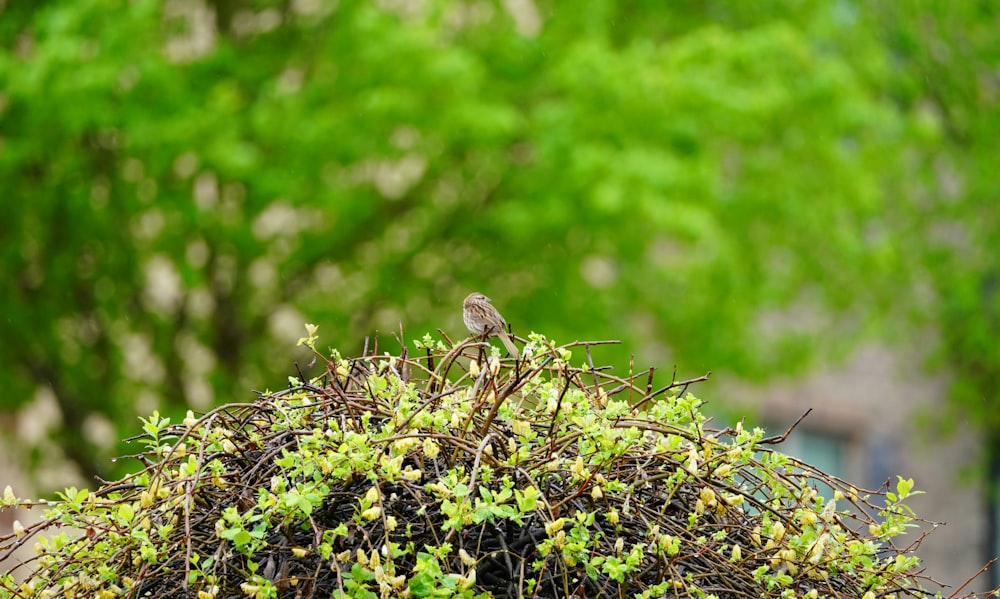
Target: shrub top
{"x": 458, "y": 474}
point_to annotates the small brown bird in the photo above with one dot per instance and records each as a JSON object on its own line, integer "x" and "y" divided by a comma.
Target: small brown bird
{"x": 483, "y": 320}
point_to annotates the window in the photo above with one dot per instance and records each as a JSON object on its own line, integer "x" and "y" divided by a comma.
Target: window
{"x": 822, "y": 450}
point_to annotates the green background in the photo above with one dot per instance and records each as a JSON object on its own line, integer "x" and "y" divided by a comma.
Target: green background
{"x": 744, "y": 187}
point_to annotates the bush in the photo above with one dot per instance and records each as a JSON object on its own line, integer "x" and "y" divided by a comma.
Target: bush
{"x": 458, "y": 474}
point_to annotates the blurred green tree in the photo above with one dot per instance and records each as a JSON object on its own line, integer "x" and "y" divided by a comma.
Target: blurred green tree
{"x": 945, "y": 77}
{"x": 741, "y": 186}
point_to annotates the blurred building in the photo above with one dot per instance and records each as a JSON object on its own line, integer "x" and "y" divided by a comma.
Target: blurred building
{"x": 878, "y": 416}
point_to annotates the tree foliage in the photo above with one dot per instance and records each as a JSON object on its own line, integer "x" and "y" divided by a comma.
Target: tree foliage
{"x": 744, "y": 186}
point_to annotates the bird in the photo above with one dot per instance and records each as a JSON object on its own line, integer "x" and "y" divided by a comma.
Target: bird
{"x": 483, "y": 320}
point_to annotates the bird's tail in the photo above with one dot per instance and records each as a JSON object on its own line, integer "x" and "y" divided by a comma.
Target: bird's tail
{"x": 509, "y": 344}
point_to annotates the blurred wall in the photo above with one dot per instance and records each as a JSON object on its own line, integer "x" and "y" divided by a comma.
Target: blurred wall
{"x": 882, "y": 413}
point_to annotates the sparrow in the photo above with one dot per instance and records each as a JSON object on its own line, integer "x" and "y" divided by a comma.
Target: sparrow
{"x": 483, "y": 320}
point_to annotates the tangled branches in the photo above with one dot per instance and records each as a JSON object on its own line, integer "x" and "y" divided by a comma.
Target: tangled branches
{"x": 458, "y": 474}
